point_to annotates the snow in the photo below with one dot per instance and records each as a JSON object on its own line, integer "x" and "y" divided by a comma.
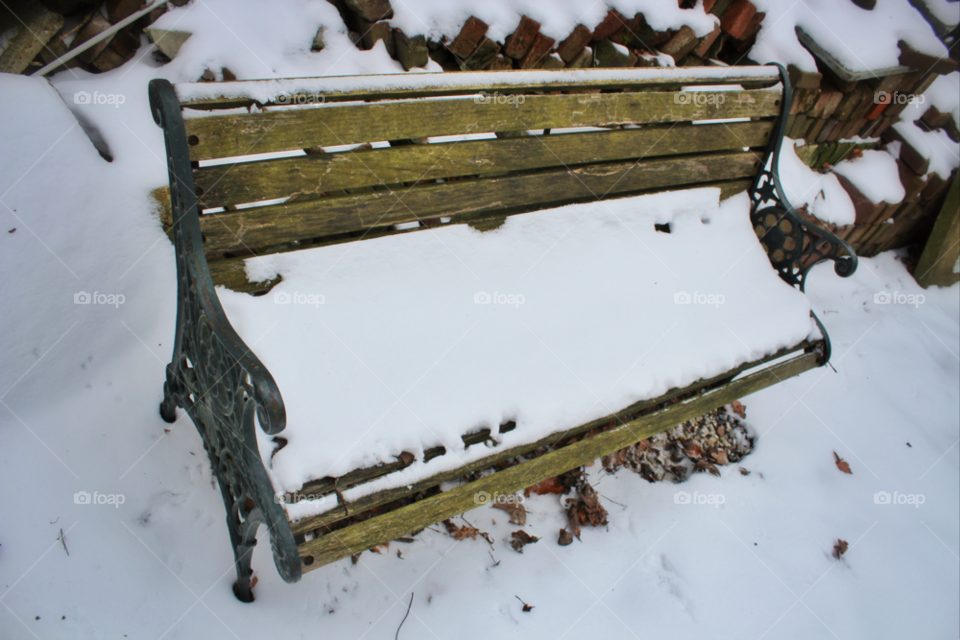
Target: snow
{"x": 81, "y": 383}
{"x": 823, "y": 194}
{"x": 875, "y": 175}
{"x": 439, "y": 18}
{"x": 536, "y": 352}
{"x": 944, "y": 93}
{"x": 946, "y": 11}
{"x": 936, "y": 146}
{"x": 872, "y": 45}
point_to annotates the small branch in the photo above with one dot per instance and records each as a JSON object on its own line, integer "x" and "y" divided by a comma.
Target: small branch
{"x": 397, "y": 636}
{"x": 613, "y": 501}
{"x": 63, "y": 541}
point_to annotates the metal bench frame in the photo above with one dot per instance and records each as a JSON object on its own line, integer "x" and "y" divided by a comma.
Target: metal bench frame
{"x": 227, "y": 391}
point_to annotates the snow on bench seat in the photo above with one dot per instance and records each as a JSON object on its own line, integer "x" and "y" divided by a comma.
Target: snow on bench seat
{"x": 556, "y": 318}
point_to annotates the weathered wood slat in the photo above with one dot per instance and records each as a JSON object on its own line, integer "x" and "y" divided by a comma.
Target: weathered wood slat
{"x": 290, "y": 129}
{"x": 324, "y": 487}
{"x": 243, "y": 93}
{"x": 311, "y": 175}
{"x": 250, "y": 229}
{"x": 356, "y": 538}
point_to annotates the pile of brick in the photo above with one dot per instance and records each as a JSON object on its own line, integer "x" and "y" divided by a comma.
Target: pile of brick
{"x": 41, "y": 32}
{"x": 618, "y": 41}
{"x": 827, "y": 109}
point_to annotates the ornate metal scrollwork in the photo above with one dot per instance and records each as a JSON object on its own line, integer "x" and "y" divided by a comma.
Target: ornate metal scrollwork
{"x": 793, "y": 245}
{"x": 215, "y": 378}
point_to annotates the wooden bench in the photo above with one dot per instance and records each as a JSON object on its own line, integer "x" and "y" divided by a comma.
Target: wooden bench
{"x": 647, "y": 134}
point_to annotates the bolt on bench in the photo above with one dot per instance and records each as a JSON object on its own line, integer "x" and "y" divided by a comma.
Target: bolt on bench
{"x": 260, "y": 169}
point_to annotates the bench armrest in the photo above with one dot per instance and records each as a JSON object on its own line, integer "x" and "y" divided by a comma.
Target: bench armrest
{"x": 214, "y": 376}
{"x": 793, "y": 245}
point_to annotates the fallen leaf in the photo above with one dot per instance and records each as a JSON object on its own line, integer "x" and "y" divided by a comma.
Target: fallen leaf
{"x": 381, "y": 548}
{"x": 520, "y": 539}
{"x": 705, "y": 465}
{"x": 518, "y": 515}
{"x": 744, "y": 472}
{"x": 526, "y": 607}
{"x": 839, "y": 549}
{"x": 856, "y": 153}
{"x": 399, "y": 554}
{"x": 739, "y": 409}
{"x": 692, "y": 449}
{"x": 406, "y": 458}
{"x": 565, "y": 538}
{"x": 842, "y": 464}
{"x": 550, "y": 485}
{"x": 721, "y": 457}
{"x": 254, "y": 581}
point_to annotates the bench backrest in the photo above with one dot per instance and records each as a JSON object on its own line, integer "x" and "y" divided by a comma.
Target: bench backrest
{"x": 546, "y": 138}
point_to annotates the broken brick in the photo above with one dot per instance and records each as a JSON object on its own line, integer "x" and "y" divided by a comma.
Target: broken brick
{"x": 736, "y": 19}
{"x": 613, "y": 23}
{"x": 571, "y": 47}
{"x": 518, "y": 43}
{"x": 470, "y": 36}
{"x": 539, "y": 50}
{"x": 683, "y": 42}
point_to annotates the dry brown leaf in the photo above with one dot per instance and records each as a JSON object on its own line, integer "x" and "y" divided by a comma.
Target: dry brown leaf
{"x": 526, "y": 607}
{"x": 739, "y": 409}
{"x": 381, "y": 548}
{"x": 692, "y": 449}
{"x": 520, "y": 539}
{"x": 721, "y": 457}
{"x": 550, "y": 485}
{"x": 253, "y": 581}
{"x": 839, "y": 549}
{"x": 518, "y": 515}
{"x": 565, "y": 538}
{"x": 705, "y": 465}
{"x": 842, "y": 464}
{"x": 465, "y": 532}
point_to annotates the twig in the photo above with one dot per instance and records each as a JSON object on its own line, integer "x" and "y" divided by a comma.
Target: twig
{"x": 64, "y": 543}
{"x": 613, "y": 501}
{"x": 396, "y": 637}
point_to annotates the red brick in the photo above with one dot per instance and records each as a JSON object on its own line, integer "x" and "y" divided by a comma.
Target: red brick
{"x": 831, "y": 124}
{"x": 518, "y": 43}
{"x": 800, "y": 79}
{"x": 864, "y": 207}
{"x": 571, "y": 47}
{"x": 539, "y": 50}
{"x": 682, "y": 43}
{"x": 708, "y": 4}
{"x": 876, "y": 109}
{"x": 707, "y": 41}
{"x": 470, "y": 36}
{"x": 925, "y": 62}
{"x": 736, "y": 19}
{"x": 610, "y": 25}
{"x": 908, "y": 154}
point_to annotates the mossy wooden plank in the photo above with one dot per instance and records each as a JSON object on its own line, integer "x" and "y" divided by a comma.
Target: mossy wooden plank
{"x": 356, "y": 538}
{"x": 329, "y": 125}
{"x": 249, "y": 229}
{"x": 231, "y": 272}
{"x": 940, "y": 261}
{"x": 324, "y": 487}
{"x": 312, "y": 175}
{"x": 244, "y": 93}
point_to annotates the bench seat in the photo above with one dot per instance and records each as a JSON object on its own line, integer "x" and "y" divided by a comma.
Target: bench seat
{"x": 380, "y": 347}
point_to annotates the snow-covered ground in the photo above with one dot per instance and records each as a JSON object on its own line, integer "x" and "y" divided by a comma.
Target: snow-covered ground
{"x": 80, "y": 384}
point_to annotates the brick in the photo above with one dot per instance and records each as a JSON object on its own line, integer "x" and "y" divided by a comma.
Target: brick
{"x": 471, "y": 34}
{"x": 933, "y": 119}
{"x": 908, "y": 154}
{"x": 814, "y": 131}
{"x": 832, "y": 103}
{"x": 708, "y": 5}
{"x": 482, "y": 56}
{"x": 611, "y": 24}
{"x": 827, "y": 129}
{"x": 371, "y": 34}
{"x": 571, "y": 47}
{"x": 609, "y": 55}
{"x": 925, "y": 62}
{"x": 912, "y": 183}
{"x": 877, "y": 108}
{"x": 501, "y": 63}
{"x": 707, "y": 41}
{"x": 643, "y": 37}
{"x": 864, "y": 207}
{"x": 538, "y": 51}
{"x": 584, "y": 60}
{"x": 553, "y": 61}
{"x": 719, "y": 7}
{"x": 518, "y": 43}
{"x": 800, "y": 79}
{"x": 736, "y": 19}
{"x": 885, "y": 123}
{"x": 683, "y": 42}
{"x": 935, "y": 187}
{"x": 799, "y": 96}
{"x": 411, "y": 52}
{"x": 117, "y": 10}
{"x": 820, "y": 103}
{"x": 754, "y": 27}
{"x": 370, "y": 10}
{"x": 95, "y": 27}
{"x": 866, "y": 4}
{"x": 799, "y": 126}
{"x": 887, "y": 84}
{"x": 849, "y": 102}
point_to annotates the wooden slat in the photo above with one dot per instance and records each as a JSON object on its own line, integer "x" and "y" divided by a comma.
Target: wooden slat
{"x": 249, "y": 229}
{"x": 231, "y": 272}
{"x": 356, "y": 538}
{"x": 291, "y": 129}
{"x": 380, "y": 498}
{"x": 311, "y": 175}
{"x": 227, "y": 95}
